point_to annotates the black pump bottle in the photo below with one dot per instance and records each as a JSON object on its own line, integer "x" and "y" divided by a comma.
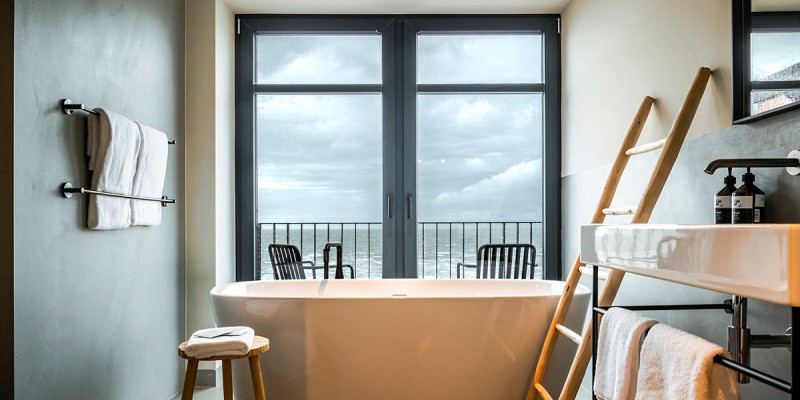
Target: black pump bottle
{"x": 748, "y": 202}
{"x": 722, "y": 201}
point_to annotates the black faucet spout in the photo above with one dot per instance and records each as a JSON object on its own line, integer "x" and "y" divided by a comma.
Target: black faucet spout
{"x": 751, "y": 163}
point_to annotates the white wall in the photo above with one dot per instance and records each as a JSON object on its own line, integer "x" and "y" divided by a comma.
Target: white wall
{"x": 224, "y": 152}
{"x": 615, "y": 52}
{"x": 210, "y": 222}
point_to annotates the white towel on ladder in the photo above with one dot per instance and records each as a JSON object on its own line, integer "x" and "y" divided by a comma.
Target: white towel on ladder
{"x": 618, "y": 344}
{"x": 113, "y": 149}
{"x": 149, "y": 179}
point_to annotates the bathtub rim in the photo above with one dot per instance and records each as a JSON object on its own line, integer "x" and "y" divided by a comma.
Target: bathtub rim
{"x": 218, "y": 291}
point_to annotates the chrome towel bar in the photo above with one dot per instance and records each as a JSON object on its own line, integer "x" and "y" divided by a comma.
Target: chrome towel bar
{"x": 67, "y": 190}
{"x": 68, "y": 107}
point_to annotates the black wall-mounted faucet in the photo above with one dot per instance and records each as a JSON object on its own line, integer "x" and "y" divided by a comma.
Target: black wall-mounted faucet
{"x": 790, "y": 162}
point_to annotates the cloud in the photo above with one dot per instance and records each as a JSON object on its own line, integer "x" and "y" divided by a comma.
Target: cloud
{"x": 479, "y": 58}
{"x": 318, "y": 58}
{"x": 513, "y": 195}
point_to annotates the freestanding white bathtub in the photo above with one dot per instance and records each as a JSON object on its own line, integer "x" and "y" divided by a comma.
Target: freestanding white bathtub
{"x": 392, "y": 339}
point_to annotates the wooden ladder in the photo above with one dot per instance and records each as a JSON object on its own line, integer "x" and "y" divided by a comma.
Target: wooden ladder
{"x": 641, "y": 214}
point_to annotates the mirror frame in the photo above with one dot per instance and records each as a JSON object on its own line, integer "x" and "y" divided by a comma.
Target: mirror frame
{"x": 742, "y": 20}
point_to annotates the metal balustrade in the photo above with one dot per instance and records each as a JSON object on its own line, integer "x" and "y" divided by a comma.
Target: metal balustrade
{"x": 440, "y": 245}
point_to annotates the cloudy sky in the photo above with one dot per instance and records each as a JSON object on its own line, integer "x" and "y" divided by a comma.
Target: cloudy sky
{"x": 320, "y": 155}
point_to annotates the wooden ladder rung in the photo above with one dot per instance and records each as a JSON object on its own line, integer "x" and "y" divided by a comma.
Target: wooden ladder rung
{"x": 646, "y": 148}
{"x": 569, "y": 333}
{"x": 589, "y": 271}
{"x": 543, "y": 392}
{"x": 619, "y": 211}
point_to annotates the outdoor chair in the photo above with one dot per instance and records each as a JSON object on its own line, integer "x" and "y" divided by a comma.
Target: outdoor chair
{"x": 502, "y": 261}
{"x": 287, "y": 263}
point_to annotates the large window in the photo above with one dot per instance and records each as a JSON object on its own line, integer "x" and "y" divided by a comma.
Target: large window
{"x": 410, "y": 140}
{"x": 766, "y": 59}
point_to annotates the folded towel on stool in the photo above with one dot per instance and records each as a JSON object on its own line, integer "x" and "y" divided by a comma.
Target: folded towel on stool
{"x": 218, "y": 342}
{"x": 679, "y": 365}
{"x": 618, "y": 345}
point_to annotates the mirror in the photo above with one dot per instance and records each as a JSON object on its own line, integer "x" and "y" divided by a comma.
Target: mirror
{"x": 766, "y": 58}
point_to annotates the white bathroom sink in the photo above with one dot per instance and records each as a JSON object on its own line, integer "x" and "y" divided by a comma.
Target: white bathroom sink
{"x": 756, "y": 261}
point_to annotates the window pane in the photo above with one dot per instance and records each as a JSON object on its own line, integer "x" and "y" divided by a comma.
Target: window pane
{"x": 318, "y": 59}
{"x": 488, "y": 58}
{"x": 776, "y": 56}
{"x": 479, "y": 159}
{"x": 765, "y": 100}
{"x": 320, "y": 164}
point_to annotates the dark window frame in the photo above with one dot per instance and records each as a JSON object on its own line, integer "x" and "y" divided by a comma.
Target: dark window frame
{"x": 746, "y": 22}
{"x": 399, "y": 99}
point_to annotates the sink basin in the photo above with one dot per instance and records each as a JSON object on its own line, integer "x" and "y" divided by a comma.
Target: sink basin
{"x": 755, "y": 261}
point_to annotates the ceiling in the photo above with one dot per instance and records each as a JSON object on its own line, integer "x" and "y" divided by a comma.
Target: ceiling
{"x": 396, "y": 6}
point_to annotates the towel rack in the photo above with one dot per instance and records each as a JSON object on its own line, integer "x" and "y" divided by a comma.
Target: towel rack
{"x": 67, "y": 190}
{"x": 69, "y": 107}
{"x": 732, "y": 307}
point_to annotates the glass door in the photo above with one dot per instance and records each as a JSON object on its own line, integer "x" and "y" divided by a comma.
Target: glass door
{"x": 478, "y": 156}
{"x": 319, "y": 142}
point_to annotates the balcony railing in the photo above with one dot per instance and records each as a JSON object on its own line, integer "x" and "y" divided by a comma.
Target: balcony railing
{"x": 440, "y": 245}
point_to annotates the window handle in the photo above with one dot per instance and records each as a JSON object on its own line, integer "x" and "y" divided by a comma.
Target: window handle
{"x": 410, "y": 206}
{"x": 389, "y": 205}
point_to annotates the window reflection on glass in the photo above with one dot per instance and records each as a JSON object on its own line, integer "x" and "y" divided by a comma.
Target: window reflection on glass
{"x": 776, "y": 56}
{"x": 318, "y": 59}
{"x": 765, "y": 100}
{"x": 487, "y": 58}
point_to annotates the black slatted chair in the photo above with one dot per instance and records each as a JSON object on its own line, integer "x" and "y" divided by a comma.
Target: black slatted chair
{"x": 287, "y": 263}
{"x": 502, "y": 261}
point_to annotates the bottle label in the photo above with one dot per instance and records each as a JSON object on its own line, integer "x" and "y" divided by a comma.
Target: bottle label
{"x": 760, "y": 200}
{"x": 742, "y": 201}
{"x": 757, "y": 215}
{"x": 722, "y": 201}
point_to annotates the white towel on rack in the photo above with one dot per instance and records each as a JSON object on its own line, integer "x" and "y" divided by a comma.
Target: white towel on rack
{"x": 149, "y": 179}
{"x": 678, "y": 365}
{"x": 113, "y": 147}
{"x": 618, "y": 344}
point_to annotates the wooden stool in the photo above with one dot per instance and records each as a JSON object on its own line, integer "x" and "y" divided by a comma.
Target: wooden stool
{"x": 260, "y": 345}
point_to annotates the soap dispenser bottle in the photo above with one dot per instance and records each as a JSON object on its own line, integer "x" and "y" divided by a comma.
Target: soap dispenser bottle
{"x": 722, "y": 201}
{"x": 748, "y": 202}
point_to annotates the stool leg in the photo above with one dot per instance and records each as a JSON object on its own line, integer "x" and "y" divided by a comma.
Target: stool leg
{"x": 227, "y": 380}
{"x": 255, "y": 375}
{"x": 188, "y": 381}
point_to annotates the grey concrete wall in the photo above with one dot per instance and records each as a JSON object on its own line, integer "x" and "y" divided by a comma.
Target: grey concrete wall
{"x": 97, "y": 314}
{"x": 688, "y": 199}
{"x": 7, "y": 200}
